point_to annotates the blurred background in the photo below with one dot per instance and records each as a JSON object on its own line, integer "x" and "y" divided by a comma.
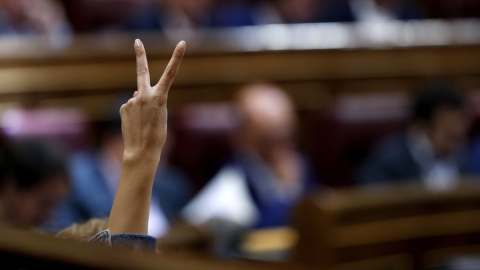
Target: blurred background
{"x": 275, "y": 99}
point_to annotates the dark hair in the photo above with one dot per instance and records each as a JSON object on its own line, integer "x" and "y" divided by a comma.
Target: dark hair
{"x": 432, "y": 95}
{"x": 30, "y": 162}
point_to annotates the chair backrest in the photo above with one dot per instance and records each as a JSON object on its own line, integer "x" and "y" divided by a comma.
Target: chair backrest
{"x": 402, "y": 225}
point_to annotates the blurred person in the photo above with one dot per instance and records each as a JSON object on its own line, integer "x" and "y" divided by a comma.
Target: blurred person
{"x": 431, "y": 149}
{"x": 369, "y": 10}
{"x": 171, "y": 16}
{"x": 287, "y": 11}
{"x": 267, "y": 175}
{"x": 33, "y": 180}
{"x": 40, "y": 17}
{"x": 101, "y": 15}
{"x": 95, "y": 174}
{"x": 229, "y": 13}
{"x": 186, "y": 17}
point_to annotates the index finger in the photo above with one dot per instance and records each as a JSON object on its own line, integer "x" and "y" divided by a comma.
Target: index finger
{"x": 143, "y": 75}
{"x": 171, "y": 70}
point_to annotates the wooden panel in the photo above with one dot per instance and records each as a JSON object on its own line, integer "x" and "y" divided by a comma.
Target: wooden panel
{"x": 25, "y": 250}
{"x": 312, "y": 78}
{"x": 315, "y": 65}
{"x": 358, "y": 224}
{"x": 345, "y": 60}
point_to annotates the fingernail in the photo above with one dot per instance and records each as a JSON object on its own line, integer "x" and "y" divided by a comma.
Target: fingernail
{"x": 183, "y": 41}
{"x": 137, "y": 43}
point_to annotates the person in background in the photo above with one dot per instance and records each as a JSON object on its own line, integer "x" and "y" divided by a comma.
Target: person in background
{"x": 104, "y": 16}
{"x": 33, "y": 180}
{"x": 95, "y": 174}
{"x": 185, "y": 18}
{"x": 37, "y": 17}
{"x": 286, "y": 11}
{"x": 174, "y": 18}
{"x": 369, "y": 10}
{"x": 431, "y": 149}
{"x": 267, "y": 175}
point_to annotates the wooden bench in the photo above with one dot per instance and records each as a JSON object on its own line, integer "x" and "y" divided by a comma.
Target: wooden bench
{"x": 404, "y": 226}
{"x": 26, "y": 250}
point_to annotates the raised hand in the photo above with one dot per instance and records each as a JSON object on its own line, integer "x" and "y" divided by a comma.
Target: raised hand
{"x": 144, "y": 117}
{"x": 144, "y": 130}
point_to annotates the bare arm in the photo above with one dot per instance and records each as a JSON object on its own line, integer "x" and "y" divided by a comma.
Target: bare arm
{"x": 144, "y": 130}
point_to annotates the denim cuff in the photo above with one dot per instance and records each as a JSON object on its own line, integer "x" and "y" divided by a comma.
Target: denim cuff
{"x": 138, "y": 242}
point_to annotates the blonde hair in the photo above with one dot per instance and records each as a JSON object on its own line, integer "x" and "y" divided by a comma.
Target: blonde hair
{"x": 85, "y": 231}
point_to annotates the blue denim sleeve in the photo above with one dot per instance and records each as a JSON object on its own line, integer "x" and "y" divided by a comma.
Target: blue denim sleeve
{"x": 138, "y": 242}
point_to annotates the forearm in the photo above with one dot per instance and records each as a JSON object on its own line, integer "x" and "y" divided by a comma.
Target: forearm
{"x": 131, "y": 206}
{"x": 144, "y": 130}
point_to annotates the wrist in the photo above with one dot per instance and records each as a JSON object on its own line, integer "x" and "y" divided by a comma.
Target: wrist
{"x": 140, "y": 167}
{"x": 139, "y": 158}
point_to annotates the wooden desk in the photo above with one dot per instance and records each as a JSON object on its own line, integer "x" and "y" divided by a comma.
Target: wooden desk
{"x": 403, "y": 223}
{"x": 25, "y": 250}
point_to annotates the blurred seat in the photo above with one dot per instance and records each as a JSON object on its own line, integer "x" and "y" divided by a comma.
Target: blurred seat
{"x": 404, "y": 227}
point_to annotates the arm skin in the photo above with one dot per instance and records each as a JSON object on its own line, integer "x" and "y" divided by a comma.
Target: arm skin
{"x": 144, "y": 130}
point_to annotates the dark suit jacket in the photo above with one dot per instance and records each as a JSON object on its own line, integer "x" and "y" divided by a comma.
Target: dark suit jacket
{"x": 391, "y": 162}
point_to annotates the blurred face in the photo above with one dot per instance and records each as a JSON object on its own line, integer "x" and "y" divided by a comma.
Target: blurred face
{"x": 34, "y": 206}
{"x": 266, "y": 132}
{"x": 448, "y": 130}
{"x": 269, "y": 118}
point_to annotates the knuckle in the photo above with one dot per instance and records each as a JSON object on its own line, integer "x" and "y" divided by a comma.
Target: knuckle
{"x": 161, "y": 100}
{"x": 122, "y": 108}
{"x": 139, "y": 51}
{"x": 142, "y": 71}
{"x": 171, "y": 73}
{"x": 142, "y": 99}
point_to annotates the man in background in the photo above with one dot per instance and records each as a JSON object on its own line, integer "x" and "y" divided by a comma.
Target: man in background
{"x": 267, "y": 176}
{"x": 431, "y": 149}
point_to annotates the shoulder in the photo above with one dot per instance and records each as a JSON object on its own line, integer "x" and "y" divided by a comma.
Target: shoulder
{"x": 390, "y": 148}
{"x": 389, "y": 160}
